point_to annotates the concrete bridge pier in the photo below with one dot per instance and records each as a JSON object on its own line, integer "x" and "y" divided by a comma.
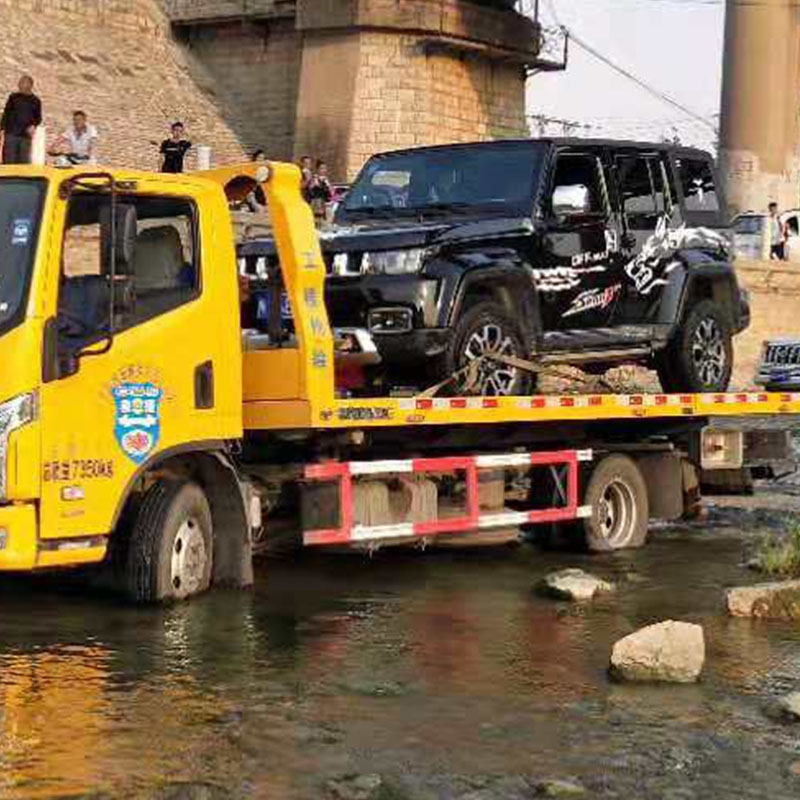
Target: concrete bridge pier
{"x": 760, "y": 125}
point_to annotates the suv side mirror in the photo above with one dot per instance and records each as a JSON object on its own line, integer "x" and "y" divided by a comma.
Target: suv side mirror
{"x": 571, "y": 200}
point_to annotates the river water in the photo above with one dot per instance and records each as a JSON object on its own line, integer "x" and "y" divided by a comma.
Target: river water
{"x": 442, "y": 673}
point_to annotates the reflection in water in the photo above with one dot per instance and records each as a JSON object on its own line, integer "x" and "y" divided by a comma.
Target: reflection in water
{"x": 425, "y": 666}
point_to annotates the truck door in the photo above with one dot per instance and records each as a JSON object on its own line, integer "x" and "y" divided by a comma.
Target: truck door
{"x": 109, "y": 405}
{"x": 647, "y": 206}
{"x": 576, "y": 285}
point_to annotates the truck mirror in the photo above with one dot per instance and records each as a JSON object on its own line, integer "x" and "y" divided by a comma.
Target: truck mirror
{"x": 125, "y": 240}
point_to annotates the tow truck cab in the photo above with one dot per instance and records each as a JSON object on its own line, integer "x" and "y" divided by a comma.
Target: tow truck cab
{"x": 120, "y": 345}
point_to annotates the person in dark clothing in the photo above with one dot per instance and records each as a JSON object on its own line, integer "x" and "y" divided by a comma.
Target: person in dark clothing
{"x": 320, "y": 192}
{"x": 174, "y": 149}
{"x": 21, "y": 116}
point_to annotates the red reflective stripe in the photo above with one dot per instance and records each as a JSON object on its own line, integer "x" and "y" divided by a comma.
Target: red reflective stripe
{"x": 424, "y": 405}
{"x": 595, "y": 401}
{"x": 567, "y": 402}
{"x": 539, "y": 402}
{"x": 459, "y": 402}
{"x": 661, "y": 399}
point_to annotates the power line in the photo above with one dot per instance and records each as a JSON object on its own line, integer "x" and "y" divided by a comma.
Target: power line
{"x": 638, "y": 81}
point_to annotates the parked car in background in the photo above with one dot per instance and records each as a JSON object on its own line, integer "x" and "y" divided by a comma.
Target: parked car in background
{"x": 751, "y": 240}
{"x": 779, "y": 370}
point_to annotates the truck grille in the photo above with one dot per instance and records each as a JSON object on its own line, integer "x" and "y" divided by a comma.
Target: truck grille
{"x": 782, "y": 354}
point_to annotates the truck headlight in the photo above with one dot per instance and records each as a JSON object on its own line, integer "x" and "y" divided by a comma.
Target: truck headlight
{"x": 393, "y": 262}
{"x": 14, "y": 414}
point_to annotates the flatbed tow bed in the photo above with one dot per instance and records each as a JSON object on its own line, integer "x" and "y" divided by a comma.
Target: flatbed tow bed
{"x": 178, "y": 446}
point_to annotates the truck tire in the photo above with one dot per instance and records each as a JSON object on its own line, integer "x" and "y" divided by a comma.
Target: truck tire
{"x": 485, "y": 328}
{"x": 171, "y": 548}
{"x": 700, "y": 356}
{"x": 617, "y": 495}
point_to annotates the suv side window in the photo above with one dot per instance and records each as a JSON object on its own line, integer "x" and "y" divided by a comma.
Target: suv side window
{"x": 697, "y": 184}
{"x": 579, "y": 186}
{"x": 163, "y": 275}
{"x": 644, "y": 194}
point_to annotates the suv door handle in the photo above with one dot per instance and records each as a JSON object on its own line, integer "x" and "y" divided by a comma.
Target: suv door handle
{"x": 204, "y": 385}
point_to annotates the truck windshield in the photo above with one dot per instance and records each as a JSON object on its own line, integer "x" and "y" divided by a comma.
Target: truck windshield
{"x": 497, "y": 177}
{"x": 20, "y": 212}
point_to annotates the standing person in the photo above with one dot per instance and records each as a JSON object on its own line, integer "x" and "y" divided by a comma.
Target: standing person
{"x": 174, "y": 149}
{"x": 777, "y": 235}
{"x": 76, "y": 144}
{"x": 257, "y": 201}
{"x": 22, "y": 115}
{"x": 320, "y": 191}
{"x": 306, "y": 177}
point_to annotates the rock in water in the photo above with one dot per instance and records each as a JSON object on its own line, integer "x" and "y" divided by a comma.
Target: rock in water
{"x": 559, "y": 789}
{"x": 778, "y": 600}
{"x": 572, "y": 584}
{"x": 672, "y": 652}
{"x": 784, "y": 709}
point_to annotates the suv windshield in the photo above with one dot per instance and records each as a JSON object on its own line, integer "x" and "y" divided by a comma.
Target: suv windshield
{"x": 750, "y": 224}
{"x": 20, "y": 212}
{"x": 499, "y": 177}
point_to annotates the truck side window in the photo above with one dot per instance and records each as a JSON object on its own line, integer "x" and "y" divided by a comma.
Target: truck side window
{"x": 697, "y": 184}
{"x": 163, "y": 275}
{"x": 578, "y": 186}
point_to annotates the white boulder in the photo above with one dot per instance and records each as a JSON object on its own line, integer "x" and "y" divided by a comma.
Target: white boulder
{"x": 672, "y": 652}
{"x": 573, "y": 584}
{"x": 776, "y": 600}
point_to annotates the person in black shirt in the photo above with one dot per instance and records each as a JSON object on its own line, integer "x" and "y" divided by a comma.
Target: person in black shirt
{"x": 174, "y": 150}
{"x": 21, "y": 116}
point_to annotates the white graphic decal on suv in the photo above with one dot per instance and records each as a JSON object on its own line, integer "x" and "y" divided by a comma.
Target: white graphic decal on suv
{"x": 562, "y": 279}
{"x": 593, "y": 299}
{"x": 656, "y": 259}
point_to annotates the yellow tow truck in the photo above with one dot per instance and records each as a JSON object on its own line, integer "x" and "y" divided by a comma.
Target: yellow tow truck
{"x": 145, "y": 422}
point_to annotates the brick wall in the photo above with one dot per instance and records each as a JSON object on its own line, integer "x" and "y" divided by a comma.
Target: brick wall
{"x": 405, "y": 95}
{"x": 116, "y": 60}
{"x": 255, "y": 67}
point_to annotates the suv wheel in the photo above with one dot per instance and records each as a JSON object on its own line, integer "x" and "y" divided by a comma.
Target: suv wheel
{"x": 486, "y": 329}
{"x": 700, "y": 357}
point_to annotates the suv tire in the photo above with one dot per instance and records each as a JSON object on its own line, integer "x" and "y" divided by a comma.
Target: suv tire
{"x": 700, "y": 356}
{"x": 485, "y": 328}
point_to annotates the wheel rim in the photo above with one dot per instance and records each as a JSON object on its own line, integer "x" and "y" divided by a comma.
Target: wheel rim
{"x": 189, "y": 559}
{"x": 493, "y": 378}
{"x": 616, "y": 513}
{"x": 708, "y": 352}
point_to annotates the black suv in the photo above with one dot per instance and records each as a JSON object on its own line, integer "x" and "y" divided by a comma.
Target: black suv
{"x": 580, "y": 252}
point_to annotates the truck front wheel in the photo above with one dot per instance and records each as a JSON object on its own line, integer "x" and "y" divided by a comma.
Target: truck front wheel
{"x": 171, "y": 547}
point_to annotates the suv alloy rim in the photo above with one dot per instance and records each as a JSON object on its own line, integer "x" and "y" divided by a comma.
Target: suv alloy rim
{"x": 493, "y": 378}
{"x": 188, "y": 559}
{"x": 708, "y": 352}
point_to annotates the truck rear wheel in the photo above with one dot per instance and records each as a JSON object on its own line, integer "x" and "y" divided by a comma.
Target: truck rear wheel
{"x": 617, "y": 495}
{"x": 171, "y": 548}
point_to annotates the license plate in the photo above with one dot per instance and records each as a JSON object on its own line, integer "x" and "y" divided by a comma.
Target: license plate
{"x": 782, "y": 354}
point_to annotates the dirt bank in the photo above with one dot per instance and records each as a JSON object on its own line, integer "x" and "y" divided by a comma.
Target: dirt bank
{"x": 775, "y": 304}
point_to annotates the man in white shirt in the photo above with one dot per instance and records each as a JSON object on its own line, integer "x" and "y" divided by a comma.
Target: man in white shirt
{"x": 777, "y": 235}
{"x": 77, "y": 143}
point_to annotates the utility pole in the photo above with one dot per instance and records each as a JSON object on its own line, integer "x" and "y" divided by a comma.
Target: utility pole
{"x": 760, "y": 123}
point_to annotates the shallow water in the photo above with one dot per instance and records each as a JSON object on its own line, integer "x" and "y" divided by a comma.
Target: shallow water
{"x": 443, "y": 673}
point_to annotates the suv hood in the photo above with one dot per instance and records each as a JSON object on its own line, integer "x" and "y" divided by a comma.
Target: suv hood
{"x": 401, "y": 235}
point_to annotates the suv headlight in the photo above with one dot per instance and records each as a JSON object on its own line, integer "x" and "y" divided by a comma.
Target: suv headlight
{"x": 14, "y": 414}
{"x": 393, "y": 262}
